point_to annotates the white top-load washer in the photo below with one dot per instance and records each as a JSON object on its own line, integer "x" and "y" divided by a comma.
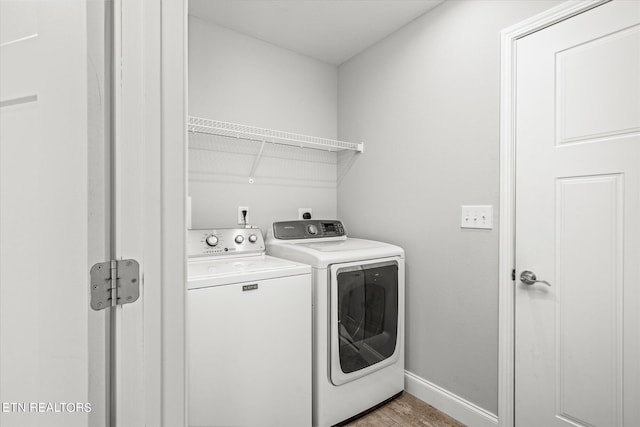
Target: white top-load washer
{"x": 248, "y": 333}
{"x": 358, "y": 307}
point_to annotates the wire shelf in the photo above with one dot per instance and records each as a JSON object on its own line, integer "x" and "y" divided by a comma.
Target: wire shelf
{"x": 234, "y": 130}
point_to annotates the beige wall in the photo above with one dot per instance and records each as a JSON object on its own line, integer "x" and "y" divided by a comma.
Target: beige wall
{"x": 426, "y": 103}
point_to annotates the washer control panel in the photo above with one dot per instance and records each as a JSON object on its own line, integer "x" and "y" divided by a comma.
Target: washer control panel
{"x": 224, "y": 241}
{"x": 308, "y": 229}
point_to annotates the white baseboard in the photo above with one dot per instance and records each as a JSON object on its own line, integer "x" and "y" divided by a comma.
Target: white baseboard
{"x": 447, "y": 402}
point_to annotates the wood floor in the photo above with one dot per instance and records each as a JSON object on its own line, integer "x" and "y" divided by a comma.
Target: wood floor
{"x": 405, "y": 411}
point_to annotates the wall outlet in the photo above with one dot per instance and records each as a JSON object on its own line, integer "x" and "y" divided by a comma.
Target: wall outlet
{"x": 302, "y": 211}
{"x": 477, "y": 217}
{"x": 240, "y": 219}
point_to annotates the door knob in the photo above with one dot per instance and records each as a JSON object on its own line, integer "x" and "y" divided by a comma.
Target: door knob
{"x": 529, "y": 278}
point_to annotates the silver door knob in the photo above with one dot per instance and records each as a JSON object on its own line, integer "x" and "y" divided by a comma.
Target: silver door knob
{"x": 529, "y": 278}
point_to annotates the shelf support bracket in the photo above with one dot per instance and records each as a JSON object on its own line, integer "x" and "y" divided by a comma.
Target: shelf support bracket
{"x": 256, "y": 162}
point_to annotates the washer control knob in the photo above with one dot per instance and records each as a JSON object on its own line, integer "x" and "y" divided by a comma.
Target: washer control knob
{"x": 253, "y": 238}
{"x": 239, "y": 238}
{"x": 211, "y": 240}
{"x": 312, "y": 229}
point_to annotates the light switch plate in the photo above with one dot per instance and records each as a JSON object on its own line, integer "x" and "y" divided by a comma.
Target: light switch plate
{"x": 474, "y": 216}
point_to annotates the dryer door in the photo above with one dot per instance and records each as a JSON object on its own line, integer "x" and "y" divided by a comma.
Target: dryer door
{"x": 366, "y": 312}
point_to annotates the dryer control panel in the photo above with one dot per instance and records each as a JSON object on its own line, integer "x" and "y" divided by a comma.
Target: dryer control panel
{"x": 224, "y": 241}
{"x": 308, "y": 229}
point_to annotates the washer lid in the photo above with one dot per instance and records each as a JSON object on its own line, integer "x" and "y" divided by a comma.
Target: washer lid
{"x": 320, "y": 254}
{"x": 216, "y": 272}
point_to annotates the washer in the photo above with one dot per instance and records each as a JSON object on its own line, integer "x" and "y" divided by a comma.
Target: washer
{"x": 358, "y": 312}
{"x": 248, "y": 332}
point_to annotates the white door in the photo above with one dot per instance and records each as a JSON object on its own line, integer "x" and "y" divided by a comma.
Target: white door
{"x": 52, "y": 215}
{"x": 577, "y": 359}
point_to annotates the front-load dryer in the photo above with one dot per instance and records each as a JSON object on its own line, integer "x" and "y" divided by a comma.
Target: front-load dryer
{"x": 358, "y": 315}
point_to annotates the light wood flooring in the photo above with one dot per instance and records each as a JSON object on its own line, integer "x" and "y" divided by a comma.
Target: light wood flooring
{"x": 405, "y": 411}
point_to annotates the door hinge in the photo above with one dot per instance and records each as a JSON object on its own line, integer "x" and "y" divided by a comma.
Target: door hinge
{"x": 513, "y": 274}
{"x": 114, "y": 283}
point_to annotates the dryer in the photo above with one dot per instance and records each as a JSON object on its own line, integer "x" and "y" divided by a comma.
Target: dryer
{"x": 358, "y": 315}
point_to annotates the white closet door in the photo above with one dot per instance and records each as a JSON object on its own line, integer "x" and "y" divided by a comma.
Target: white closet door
{"x": 577, "y": 207}
{"x": 46, "y": 352}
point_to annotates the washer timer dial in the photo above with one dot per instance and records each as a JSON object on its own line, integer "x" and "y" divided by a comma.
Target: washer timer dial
{"x": 211, "y": 240}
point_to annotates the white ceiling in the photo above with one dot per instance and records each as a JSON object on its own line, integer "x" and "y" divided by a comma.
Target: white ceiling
{"x": 329, "y": 30}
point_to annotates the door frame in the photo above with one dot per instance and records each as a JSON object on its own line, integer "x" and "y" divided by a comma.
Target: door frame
{"x": 149, "y": 168}
{"x": 506, "y": 291}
